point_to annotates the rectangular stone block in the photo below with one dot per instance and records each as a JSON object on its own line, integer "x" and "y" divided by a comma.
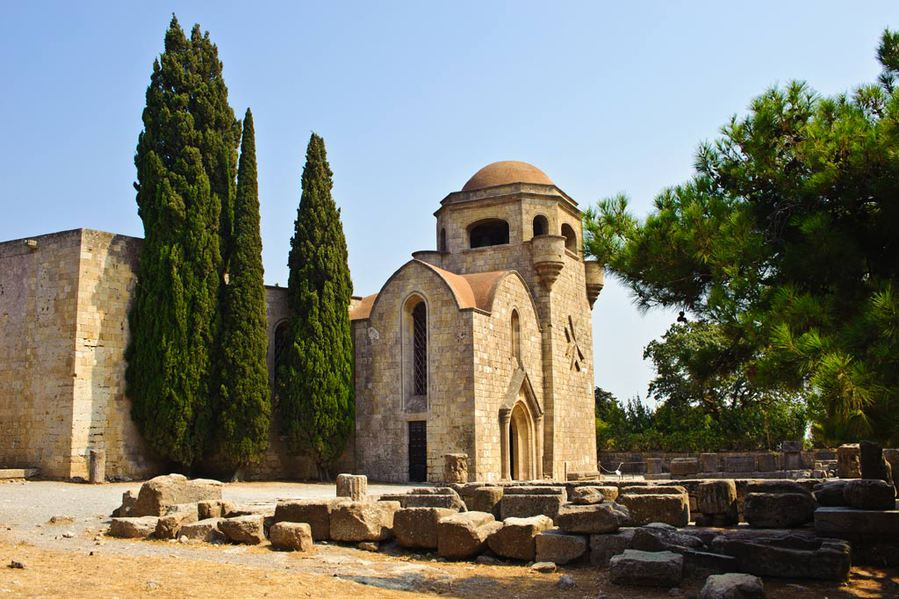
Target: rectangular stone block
{"x": 708, "y": 462}
{"x": 739, "y": 463}
{"x": 314, "y": 512}
{"x": 525, "y": 506}
{"x": 684, "y": 467}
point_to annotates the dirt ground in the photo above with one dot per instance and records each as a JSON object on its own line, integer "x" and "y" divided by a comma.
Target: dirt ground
{"x": 71, "y": 557}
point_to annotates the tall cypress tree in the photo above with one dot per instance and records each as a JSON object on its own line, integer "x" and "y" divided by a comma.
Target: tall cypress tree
{"x": 316, "y": 391}
{"x": 243, "y": 406}
{"x": 185, "y": 166}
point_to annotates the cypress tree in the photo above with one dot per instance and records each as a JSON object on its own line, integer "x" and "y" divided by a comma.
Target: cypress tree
{"x": 243, "y": 407}
{"x": 185, "y": 162}
{"x": 316, "y": 391}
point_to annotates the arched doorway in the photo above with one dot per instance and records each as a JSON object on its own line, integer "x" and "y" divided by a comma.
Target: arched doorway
{"x": 521, "y": 444}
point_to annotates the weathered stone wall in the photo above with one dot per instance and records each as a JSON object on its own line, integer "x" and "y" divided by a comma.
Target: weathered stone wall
{"x": 381, "y": 417}
{"x": 494, "y": 365}
{"x": 38, "y": 298}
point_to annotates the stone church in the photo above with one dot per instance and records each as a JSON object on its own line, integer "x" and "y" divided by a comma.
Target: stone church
{"x": 482, "y": 346}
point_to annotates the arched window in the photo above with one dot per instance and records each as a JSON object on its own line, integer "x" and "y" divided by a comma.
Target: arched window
{"x": 488, "y": 232}
{"x": 441, "y": 241}
{"x": 516, "y": 337}
{"x": 541, "y": 226}
{"x": 420, "y": 349}
{"x": 281, "y": 342}
{"x": 570, "y": 238}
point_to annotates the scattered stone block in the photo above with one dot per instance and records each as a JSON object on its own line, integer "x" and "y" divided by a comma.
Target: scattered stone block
{"x": 129, "y": 500}
{"x": 644, "y": 508}
{"x": 585, "y": 496}
{"x": 464, "y": 535}
{"x": 778, "y": 510}
{"x": 517, "y": 538}
{"x": 455, "y": 468}
{"x": 870, "y": 494}
{"x": 138, "y": 527}
{"x": 733, "y": 586}
{"x": 854, "y": 524}
{"x": 656, "y": 538}
{"x": 520, "y": 505}
{"x": 591, "y": 519}
{"x": 698, "y": 563}
{"x": 604, "y": 547}
{"x": 708, "y": 462}
{"x": 315, "y": 512}
{"x": 445, "y": 497}
{"x": 788, "y": 556}
{"x": 215, "y": 508}
{"x": 485, "y": 499}
{"x": 354, "y": 486}
{"x": 158, "y": 494}
{"x": 169, "y": 526}
{"x": 684, "y": 467}
{"x": 293, "y": 536}
{"x": 249, "y": 530}
{"x": 643, "y": 568}
{"x": 776, "y": 486}
{"x": 653, "y": 466}
{"x": 872, "y": 463}
{"x": 363, "y": 521}
{"x": 739, "y": 463}
{"x": 559, "y": 547}
{"x": 416, "y": 527}
{"x": 830, "y": 493}
{"x": 716, "y": 496}
{"x": 208, "y": 531}
{"x": 544, "y": 567}
{"x": 848, "y": 461}
{"x": 654, "y": 490}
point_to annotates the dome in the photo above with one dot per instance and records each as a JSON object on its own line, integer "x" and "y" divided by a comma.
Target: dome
{"x": 505, "y": 172}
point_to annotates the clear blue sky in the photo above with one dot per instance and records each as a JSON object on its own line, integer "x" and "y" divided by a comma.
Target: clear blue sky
{"x": 412, "y": 98}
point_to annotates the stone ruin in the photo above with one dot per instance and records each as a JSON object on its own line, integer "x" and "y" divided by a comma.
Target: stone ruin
{"x": 731, "y": 531}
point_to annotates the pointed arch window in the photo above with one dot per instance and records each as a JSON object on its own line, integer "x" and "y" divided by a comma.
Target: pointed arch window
{"x": 420, "y": 349}
{"x": 516, "y": 337}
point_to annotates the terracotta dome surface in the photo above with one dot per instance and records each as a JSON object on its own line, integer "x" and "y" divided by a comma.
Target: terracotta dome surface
{"x": 506, "y": 172}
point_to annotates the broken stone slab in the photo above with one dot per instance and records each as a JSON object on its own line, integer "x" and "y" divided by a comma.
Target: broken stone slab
{"x": 702, "y": 563}
{"x": 534, "y": 490}
{"x": 788, "y": 557}
{"x": 653, "y": 490}
{"x": 603, "y": 547}
{"x": 354, "y": 486}
{"x": 717, "y": 497}
{"x": 363, "y": 521}
{"x": 653, "y": 538}
{"x": 517, "y": 538}
{"x": 684, "y": 467}
{"x": 644, "y": 568}
{"x": 483, "y": 499}
{"x": 870, "y": 494}
{"x": 464, "y": 535}
{"x": 207, "y": 530}
{"x": 848, "y": 461}
{"x": 517, "y": 505}
{"x": 830, "y": 493}
{"x": 559, "y": 547}
{"x": 416, "y": 527}
{"x": 292, "y": 536}
{"x": 157, "y": 494}
{"x": 585, "y": 496}
{"x": 249, "y": 530}
{"x": 314, "y": 512}
{"x": 215, "y": 508}
{"x": 778, "y": 510}
{"x": 137, "y": 527}
{"x": 445, "y": 497}
{"x": 733, "y": 586}
{"x": 129, "y": 500}
{"x": 591, "y": 519}
{"x": 670, "y": 509}
{"x": 169, "y": 526}
{"x": 776, "y": 486}
{"x": 856, "y": 525}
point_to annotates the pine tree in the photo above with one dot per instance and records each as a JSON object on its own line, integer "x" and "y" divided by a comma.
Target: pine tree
{"x": 185, "y": 164}
{"x": 316, "y": 402}
{"x": 243, "y": 409}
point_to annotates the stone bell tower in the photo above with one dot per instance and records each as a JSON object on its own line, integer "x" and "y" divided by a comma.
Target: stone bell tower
{"x": 511, "y": 217}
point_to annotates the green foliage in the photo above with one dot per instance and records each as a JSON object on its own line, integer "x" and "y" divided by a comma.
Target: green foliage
{"x": 243, "y": 405}
{"x": 786, "y": 243}
{"x": 315, "y": 382}
{"x": 185, "y": 166}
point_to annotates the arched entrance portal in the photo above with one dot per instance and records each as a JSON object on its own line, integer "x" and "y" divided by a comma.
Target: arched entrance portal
{"x": 521, "y": 444}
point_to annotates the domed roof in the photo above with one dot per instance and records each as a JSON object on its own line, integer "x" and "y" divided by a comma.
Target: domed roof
{"x": 505, "y": 172}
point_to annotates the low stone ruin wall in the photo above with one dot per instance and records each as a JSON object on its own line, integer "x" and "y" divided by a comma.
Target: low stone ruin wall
{"x": 724, "y": 463}
{"x": 641, "y": 532}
